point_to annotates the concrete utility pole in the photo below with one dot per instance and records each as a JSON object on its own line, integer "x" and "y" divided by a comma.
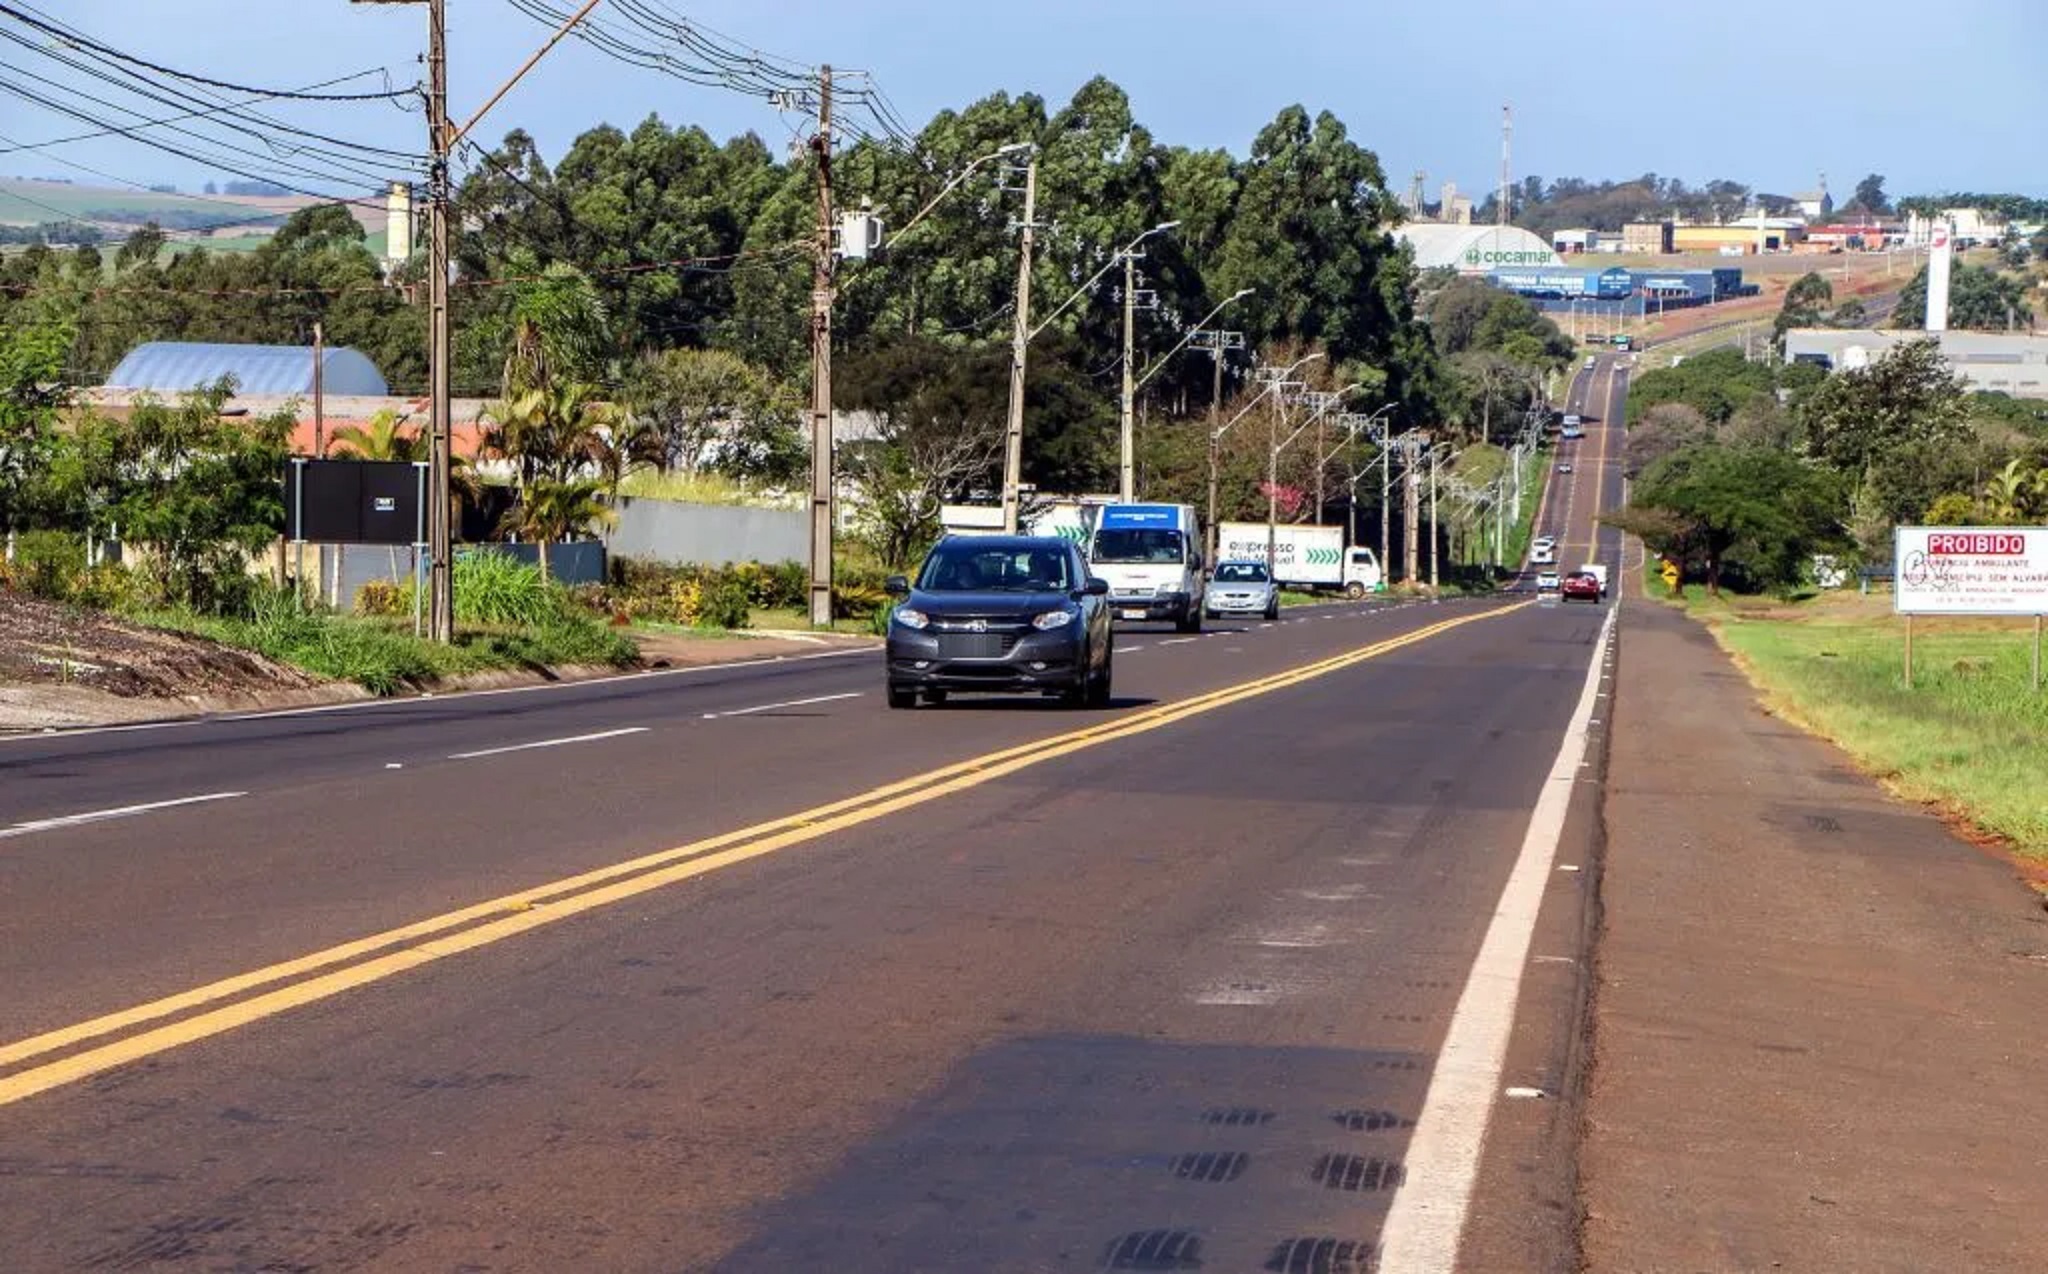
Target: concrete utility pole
{"x": 821, "y": 367}
{"x": 1432, "y": 518}
{"x": 1217, "y": 343}
{"x": 1127, "y": 477}
{"x": 1278, "y": 417}
{"x": 1013, "y": 434}
{"x": 1411, "y": 521}
{"x": 440, "y": 562}
{"x": 1386, "y": 499}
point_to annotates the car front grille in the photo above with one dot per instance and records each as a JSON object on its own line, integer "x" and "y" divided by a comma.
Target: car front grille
{"x": 976, "y": 645}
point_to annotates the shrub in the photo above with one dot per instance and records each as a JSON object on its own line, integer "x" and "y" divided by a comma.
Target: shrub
{"x": 383, "y": 597}
{"x": 47, "y": 564}
{"x": 726, "y": 602}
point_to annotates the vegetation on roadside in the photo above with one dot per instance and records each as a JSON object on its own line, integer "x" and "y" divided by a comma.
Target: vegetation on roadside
{"x": 1970, "y": 736}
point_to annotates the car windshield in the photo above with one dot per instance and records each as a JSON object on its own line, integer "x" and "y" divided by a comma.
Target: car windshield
{"x": 1241, "y": 573}
{"x": 971, "y": 568}
{"x": 1138, "y": 544}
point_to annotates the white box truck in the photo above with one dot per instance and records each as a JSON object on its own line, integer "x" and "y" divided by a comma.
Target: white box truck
{"x": 1312, "y": 558}
{"x": 1151, "y": 554}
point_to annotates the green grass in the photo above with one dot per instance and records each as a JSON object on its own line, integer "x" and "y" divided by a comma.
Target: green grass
{"x": 705, "y": 488}
{"x": 792, "y": 619}
{"x": 1970, "y": 736}
{"x": 382, "y": 655}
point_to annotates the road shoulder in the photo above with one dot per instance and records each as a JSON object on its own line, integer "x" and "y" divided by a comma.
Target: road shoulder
{"x": 1816, "y": 1014}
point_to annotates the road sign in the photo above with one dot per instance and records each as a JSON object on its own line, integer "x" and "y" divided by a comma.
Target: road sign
{"x": 1970, "y": 570}
{"x": 1670, "y": 573}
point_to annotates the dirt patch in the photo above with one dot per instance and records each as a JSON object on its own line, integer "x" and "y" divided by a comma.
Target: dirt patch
{"x": 62, "y": 665}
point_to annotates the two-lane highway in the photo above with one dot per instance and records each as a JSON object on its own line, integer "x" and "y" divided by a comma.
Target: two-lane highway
{"x": 738, "y": 969}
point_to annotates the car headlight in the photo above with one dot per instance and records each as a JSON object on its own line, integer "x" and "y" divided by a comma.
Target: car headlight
{"x": 912, "y": 618}
{"x": 1053, "y": 619}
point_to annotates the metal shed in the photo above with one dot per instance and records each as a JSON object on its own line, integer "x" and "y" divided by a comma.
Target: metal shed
{"x": 172, "y": 367}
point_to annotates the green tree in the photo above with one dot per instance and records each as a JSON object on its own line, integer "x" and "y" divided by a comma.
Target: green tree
{"x": 1870, "y": 196}
{"x": 1892, "y": 428}
{"x": 33, "y": 390}
{"x": 551, "y": 510}
{"x": 1979, "y": 299}
{"x": 1763, "y": 510}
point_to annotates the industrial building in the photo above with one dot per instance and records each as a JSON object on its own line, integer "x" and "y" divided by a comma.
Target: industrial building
{"x": 1472, "y": 249}
{"x": 1758, "y": 234}
{"x": 1646, "y": 237}
{"x": 2013, "y": 363}
{"x": 1622, "y": 290}
{"x": 174, "y": 367}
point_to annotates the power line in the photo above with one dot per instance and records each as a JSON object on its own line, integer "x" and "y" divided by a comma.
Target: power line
{"x": 73, "y": 36}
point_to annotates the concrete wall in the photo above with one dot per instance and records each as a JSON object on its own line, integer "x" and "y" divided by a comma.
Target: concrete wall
{"x": 672, "y": 531}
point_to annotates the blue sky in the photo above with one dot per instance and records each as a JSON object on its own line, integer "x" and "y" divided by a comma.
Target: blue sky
{"x": 1934, "y": 96}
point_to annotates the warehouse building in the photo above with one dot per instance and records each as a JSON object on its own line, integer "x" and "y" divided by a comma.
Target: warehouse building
{"x": 1474, "y": 249}
{"x": 175, "y": 367}
{"x": 2013, "y": 363}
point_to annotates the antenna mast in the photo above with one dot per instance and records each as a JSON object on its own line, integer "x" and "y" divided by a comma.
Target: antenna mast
{"x": 1507, "y": 132}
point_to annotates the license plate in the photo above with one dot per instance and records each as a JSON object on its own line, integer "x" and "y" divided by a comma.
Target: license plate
{"x": 1134, "y": 614}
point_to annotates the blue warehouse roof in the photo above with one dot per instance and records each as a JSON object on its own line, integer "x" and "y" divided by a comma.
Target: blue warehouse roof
{"x": 175, "y": 366}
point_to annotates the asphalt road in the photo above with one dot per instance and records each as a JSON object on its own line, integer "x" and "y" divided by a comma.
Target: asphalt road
{"x": 737, "y": 969}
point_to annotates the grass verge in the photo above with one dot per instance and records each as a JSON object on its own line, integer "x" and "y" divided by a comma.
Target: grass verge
{"x": 1970, "y": 737}
{"x": 382, "y": 655}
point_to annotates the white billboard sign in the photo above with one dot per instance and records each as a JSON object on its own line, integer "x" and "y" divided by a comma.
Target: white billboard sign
{"x": 1970, "y": 570}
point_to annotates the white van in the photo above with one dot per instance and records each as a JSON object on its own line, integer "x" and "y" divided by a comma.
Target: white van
{"x": 1151, "y": 555}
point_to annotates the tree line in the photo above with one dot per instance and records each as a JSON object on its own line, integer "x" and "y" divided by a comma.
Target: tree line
{"x": 659, "y": 280}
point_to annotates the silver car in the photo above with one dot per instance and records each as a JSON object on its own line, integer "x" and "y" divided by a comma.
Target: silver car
{"x": 1243, "y": 588}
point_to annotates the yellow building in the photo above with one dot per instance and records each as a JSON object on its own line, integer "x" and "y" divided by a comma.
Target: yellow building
{"x": 1765, "y": 234}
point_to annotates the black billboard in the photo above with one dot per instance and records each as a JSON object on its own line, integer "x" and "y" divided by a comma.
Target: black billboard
{"x": 355, "y": 501}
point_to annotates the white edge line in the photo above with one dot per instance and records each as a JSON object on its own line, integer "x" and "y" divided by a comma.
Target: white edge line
{"x": 100, "y": 816}
{"x": 1178, "y": 641}
{"x": 1427, "y": 1218}
{"x": 787, "y": 703}
{"x": 358, "y": 705}
{"x": 548, "y": 743}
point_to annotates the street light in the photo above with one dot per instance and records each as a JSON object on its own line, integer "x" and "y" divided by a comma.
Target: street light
{"x": 1318, "y": 403}
{"x": 1000, "y": 152}
{"x": 1024, "y": 334}
{"x": 1269, "y": 379}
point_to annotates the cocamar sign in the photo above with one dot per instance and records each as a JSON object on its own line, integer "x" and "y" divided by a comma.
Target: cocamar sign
{"x": 1478, "y": 258}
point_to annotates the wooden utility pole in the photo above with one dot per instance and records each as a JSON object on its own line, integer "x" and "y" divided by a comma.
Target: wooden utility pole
{"x": 440, "y": 564}
{"x": 821, "y": 367}
{"x": 319, "y": 398}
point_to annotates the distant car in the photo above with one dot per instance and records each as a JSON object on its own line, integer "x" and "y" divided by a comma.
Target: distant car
{"x": 1572, "y": 433}
{"x": 1544, "y": 542}
{"x": 1013, "y": 613}
{"x": 1546, "y": 581}
{"x": 1542, "y": 553}
{"x": 1580, "y": 586}
{"x": 1566, "y": 467}
{"x": 1243, "y": 588}
{"x": 1591, "y": 362}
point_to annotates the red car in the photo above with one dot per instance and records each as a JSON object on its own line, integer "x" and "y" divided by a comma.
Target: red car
{"x": 1580, "y": 585}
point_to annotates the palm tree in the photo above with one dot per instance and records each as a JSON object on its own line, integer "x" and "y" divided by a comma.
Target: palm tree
{"x": 2010, "y": 493}
{"x": 550, "y": 510}
{"x": 619, "y": 441}
{"x": 383, "y": 438}
{"x": 546, "y": 432}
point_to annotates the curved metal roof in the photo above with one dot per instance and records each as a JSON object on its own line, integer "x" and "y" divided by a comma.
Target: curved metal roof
{"x": 1474, "y": 248}
{"x": 176, "y": 366}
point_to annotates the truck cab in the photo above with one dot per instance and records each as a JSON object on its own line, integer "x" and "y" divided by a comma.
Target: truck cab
{"x": 1361, "y": 572}
{"x": 1151, "y": 557}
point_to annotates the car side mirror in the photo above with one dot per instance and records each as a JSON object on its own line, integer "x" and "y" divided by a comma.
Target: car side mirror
{"x": 896, "y": 586}
{"x": 1096, "y": 587}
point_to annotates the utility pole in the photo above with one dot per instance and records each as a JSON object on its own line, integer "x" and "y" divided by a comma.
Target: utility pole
{"x": 1278, "y": 417}
{"x": 1411, "y": 522}
{"x": 440, "y": 568}
{"x": 1507, "y": 132}
{"x": 1432, "y": 518}
{"x": 319, "y": 397}
{"x": 821, "y": 367}
{"x": 1127, "y": 478}
{"x": 1217, "y": 343}
{"x": 1386, "y": 500}
{"x": 1013, "y": 434}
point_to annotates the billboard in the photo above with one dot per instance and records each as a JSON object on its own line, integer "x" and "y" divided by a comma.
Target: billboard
{"x": 1970, "y": 570}
{"x": 356, "y": 501}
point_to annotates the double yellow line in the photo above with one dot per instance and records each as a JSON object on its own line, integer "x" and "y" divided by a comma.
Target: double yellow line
{"x": 222, "y": 1006}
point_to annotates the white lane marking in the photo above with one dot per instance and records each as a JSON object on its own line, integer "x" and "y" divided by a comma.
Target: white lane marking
{"x": 1525, "y": 1092}
{"x": 786, "y": 703}
{"x": 548, "y": 743}
{"x": 119, "y": 811}
{"x": 1178, "y": 641}
{"x": 358, "y": 705}
{"x": 1427, "y": 1218}
{"x": 1242, "y": 993}
{"x": 1128, "y": 650}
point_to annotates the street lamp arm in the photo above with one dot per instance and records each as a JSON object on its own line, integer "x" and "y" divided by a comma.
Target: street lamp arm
{"x": 458, "y": 134}
{"x": 954, "y": 184}
{"x": 1115, "y": 259}
{"x": 1159, "y": 364}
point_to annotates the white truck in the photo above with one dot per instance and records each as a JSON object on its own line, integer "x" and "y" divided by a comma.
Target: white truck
{"x": 1151, "y": 555}
{"x": 1599, "y": 572}
{"x": 1312, "y": 558}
